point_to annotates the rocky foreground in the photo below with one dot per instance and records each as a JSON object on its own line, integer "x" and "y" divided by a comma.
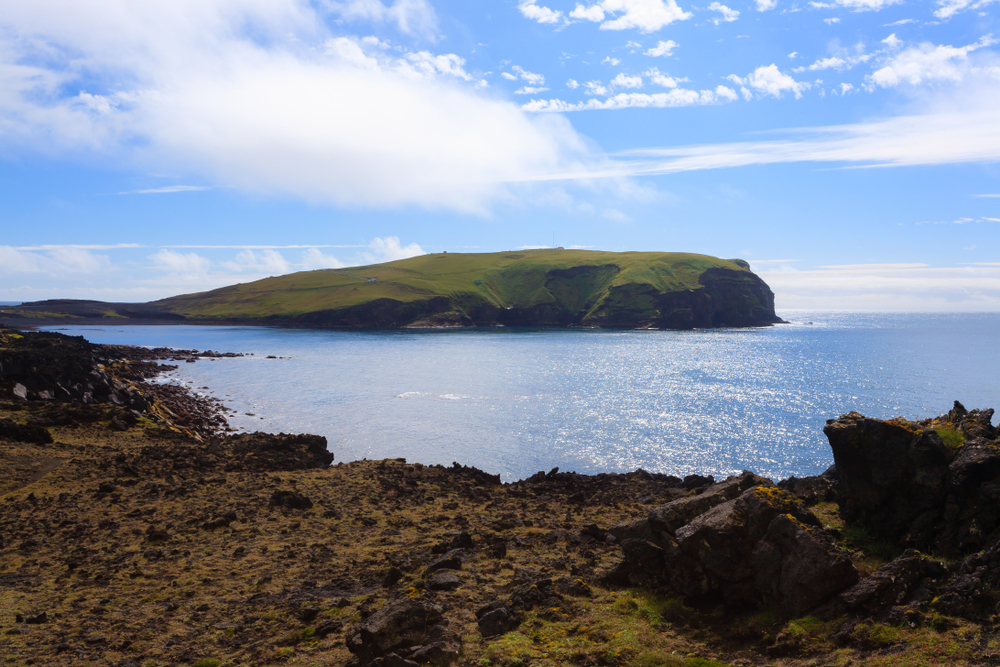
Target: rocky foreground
{"x": 135, "y": 531}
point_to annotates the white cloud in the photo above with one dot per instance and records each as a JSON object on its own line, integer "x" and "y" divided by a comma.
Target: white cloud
{"x": 389, "y": 249}
{"x": 167, "y": 189}
{"x": 892, "y": 41}
{"x": 825, "y": 63}
{"x": 846, "y": 88}
{"x": 625, "y": 81}
{"x": 662, "y": 49}
{"x": 765, "y": 5}
{"x": 793, "y": 54}
{"x": 887, "y": 287}
{"x": 728, "y": 15}
{"x": 537, "y": 13}
{"x": 530, "y": 90}
{"x": 678, "y": 97}
{"x": 313, "y": 259}
{"x": 642, "y": 15}
{"x": 572, "y": 84}
{"x": 961, "y": 127}
{"x": 177, "y": 262}
{"x": 530, "y": 77}
{"x": 662, "y": 79}
{"x": 948, "y": 8}
{"x": 614, "y": 62}
{"x": 509, "y": 76}
{"x": 413, "y": 17}
{"x": 857, "y": 5}
{"x": 831, "y": 21}
{"x": 56, "y": 261}
{"x": 270, "y": 262}
{"x": 429, "y": 64}
{"x": 259, "y": 97}
{"x": 770, "y": 80}
{"x": 924, "y": 63}
{"x": 596, "y": 88}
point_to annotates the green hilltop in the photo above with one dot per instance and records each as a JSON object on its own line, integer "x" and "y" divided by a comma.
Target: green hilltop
{"x": 517, "y": 288}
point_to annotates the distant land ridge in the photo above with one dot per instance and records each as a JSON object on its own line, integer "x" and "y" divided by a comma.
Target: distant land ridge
{"x": 548, "y": 288}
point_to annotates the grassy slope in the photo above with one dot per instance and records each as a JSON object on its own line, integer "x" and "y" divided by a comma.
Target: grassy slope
{"x": 516, "y": 278}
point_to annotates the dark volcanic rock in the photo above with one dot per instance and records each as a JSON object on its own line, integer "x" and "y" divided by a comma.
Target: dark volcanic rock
{"x": 530, "y": 591}
{"x": 762, "y": 546}
{"x": 33, "y": 434}
{"x": 409, "y": 629}
{"x": 891, "y": 585}
{"x": 901, "y": 482}
{"x": 290, "y": 499}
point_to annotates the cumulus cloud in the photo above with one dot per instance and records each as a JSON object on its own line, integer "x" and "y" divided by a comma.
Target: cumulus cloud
{"x": 314, "y": 258}
{"x": 727, "y": 15}
{"x": 626, "y": 81}
{"x": 178, "y": 262}
{"x": 948, "y": 8}
{"x": 664, "y": 80}
{"x": 770, "y": 80}
{"x": 572, "y": 84}
{"x": 678, "y": 97}
{"x": 389, "y": 249}
{"x": 662, "y": 49}
{"x": 270, "y": 262}
{"x": 258, "y": 96}
{"x": 535, "y": 12}
{"x": 765, "y": 5}
{"x": 925, "y": 63}
{"x": 642, "y": 15}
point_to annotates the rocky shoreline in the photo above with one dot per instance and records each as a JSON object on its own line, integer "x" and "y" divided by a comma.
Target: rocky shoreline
{"x": 134, "y": 530}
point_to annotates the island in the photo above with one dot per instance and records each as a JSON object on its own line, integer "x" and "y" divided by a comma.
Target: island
{"x": 536, "y": 288}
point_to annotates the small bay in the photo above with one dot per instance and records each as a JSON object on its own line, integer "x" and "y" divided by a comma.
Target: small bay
{"x": 515, "y": 401}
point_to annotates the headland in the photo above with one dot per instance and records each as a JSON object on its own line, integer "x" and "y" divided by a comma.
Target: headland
{"x": 548, "y": 288}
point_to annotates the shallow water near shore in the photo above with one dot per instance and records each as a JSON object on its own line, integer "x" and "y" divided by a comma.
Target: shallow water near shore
{"x": 515, "y": 401}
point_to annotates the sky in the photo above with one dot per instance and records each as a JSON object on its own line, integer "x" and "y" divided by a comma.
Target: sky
{"x": 848, "y": 149}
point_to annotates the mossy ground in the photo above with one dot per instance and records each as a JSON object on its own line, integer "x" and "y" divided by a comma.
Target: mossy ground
{"x": 282, "y": 587}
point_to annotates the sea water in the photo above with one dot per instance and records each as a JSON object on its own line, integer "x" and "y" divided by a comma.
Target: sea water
{"x": 515, "y": 401}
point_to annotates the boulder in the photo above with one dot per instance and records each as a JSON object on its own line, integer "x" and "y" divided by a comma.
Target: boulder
{"x": 290, "y": 500}
{"x": 893, "y": 584}
{"x": 411, "y": 629}
{"x": 798, "y": 567}
{"x": 762, "y": 546}
{"x": 37, "y": 435}
{"x": 969, "y": 591}
{"x": 502, "y": 616}
{"x": 903, "y": 484}
{"x": 452, "y": 560}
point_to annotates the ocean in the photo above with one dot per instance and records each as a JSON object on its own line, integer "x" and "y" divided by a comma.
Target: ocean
{"x": 516, "y": 401}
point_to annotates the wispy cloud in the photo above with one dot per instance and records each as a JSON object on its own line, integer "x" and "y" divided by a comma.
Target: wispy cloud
{"x": 914, "y": 287}
{"x": 167, "y": 190}
{"x": 114, "y": 246}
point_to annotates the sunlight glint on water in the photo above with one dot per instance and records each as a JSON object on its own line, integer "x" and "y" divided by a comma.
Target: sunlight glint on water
{"x": 518, "y": 401}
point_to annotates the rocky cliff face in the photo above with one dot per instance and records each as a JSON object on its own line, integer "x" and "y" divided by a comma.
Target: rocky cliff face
{"x": 727, "y": 298}
{"x": 906, "y": 483}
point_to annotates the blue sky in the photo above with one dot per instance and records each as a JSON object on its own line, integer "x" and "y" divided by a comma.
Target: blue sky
{"x": 849, "y": 149}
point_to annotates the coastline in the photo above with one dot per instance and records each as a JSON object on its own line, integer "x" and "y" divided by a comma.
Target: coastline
{"x": 162, "y": 544}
